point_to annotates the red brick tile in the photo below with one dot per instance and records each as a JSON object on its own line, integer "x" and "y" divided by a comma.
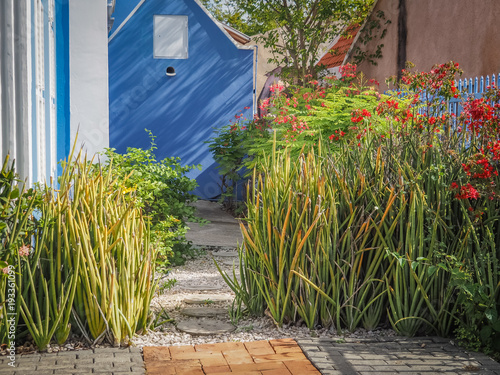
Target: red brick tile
{"x": 216, "y": 369}
{"x": 200, "y": 356}
{"x": 277, "y": 357}
{"x": 265, "y": 366}
{"x": 173, "y": 368}
{"x": 189, "y": 371}
{"x": 168, "y": 365}
{"x": 280, "y": 357}
{"x": 301, "y": 367}
{"x": 175, "y": 351}
{"x": 239, "y": 373}
{"x": 156, "y": 353}
{"x": 277, "y": 372}
{"x": 237, "y": 357}
{"x": 220, "y": 347}
{"x": 160, "y": 370}
{"x": 208, "y": 348}
{"x": 280, "y": 342}
{"x": 285, "y": 346}
{"x": 212, "y": 359}
{"x": 259, "y": 348}
{"x": 287, "y": 349}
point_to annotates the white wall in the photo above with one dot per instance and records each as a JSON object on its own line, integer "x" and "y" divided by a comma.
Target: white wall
{"x": 15, "y": 77}
{"x": 88, "y": 45}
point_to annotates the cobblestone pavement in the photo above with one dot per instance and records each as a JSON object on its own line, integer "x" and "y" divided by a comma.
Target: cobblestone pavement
{"x": 103, "y": 361}
{"x": 419, "y": 356}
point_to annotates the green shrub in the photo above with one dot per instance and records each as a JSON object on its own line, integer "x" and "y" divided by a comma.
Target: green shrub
{"x": 331, "y": 240}
{"x": 83, "y": 263}
{"x": 299, "y": 117}
{"x": 164, "y": 193}
{"x": 16, "y": 230}
{"x": 397, "y": 223}
{"x": 104, "y": 226}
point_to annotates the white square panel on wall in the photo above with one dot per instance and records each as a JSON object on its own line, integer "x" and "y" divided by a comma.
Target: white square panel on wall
{"x": 170, "y": 37}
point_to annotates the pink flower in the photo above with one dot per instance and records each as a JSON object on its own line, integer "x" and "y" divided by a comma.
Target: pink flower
{"x": 5, "y": 270}
{"x": 24, "y": 251}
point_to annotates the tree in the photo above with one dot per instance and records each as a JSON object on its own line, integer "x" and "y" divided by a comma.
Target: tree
{"x": 228, "y": 12}
{"x": 302, "y": 26}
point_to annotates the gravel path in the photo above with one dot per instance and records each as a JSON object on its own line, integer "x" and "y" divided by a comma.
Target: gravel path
{"x": 202, "y": 271}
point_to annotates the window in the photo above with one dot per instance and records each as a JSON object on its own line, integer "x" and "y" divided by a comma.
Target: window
{"x": 170, "y": 37}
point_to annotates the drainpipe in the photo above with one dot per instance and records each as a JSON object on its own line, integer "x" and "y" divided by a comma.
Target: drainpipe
{"x": 111, "y": 9}
{"x": 255, "y": 67}
{"x": 402, "y": 34}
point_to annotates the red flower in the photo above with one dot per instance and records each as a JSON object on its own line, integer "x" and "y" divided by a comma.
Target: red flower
{"x": 467, "y": 191}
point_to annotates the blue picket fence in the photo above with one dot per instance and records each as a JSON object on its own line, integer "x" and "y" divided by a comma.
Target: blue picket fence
{"x": 473, "y": 87}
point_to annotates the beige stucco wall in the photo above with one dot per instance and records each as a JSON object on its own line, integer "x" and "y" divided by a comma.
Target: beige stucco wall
{"x": 264, "y": 67}
{"x": 465, "y": 31}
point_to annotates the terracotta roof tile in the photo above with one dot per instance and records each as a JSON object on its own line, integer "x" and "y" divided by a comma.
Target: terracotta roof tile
{"x": 335, "y": 56}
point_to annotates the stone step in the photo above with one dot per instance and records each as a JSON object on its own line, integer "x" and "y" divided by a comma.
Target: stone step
{"x": 231, "y": 262}
{"x": 204, "y": 312}
{"x": 225, "y": 254}
{"x": 200, "y": 287}
{"x": 205, "y": 327}
{"x": 205, "y": 299}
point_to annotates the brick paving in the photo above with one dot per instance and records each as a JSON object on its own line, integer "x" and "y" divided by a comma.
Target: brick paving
{"x": 418, "y": 356}
{"x": 273, "y": 357}
{"x": 103, "y": 361}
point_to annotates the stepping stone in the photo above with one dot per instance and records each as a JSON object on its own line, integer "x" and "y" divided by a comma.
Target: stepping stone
{"x": 225, "y": 254}
{"x": 204, "y": 299}
{"x": 203, "y": 312}
{"x": 200, "y": 287}
{"x": 205, "y": 327}
{"x": 234, "y": 262}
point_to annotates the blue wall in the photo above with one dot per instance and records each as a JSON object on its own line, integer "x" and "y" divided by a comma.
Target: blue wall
{"x": 210, "y": 87}
{"x": 62, "y": 90}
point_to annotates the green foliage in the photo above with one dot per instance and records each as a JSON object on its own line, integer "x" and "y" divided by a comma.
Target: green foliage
{"x": 83, "y": 263}
{"x": 164, "y": 193}
{"x": 105, "y": 225}
{"x": 47, "y": 278}
{"x": 478, "y": 284}
{"x": 230, "y": 147}
{"x": 299, "y": 117}
{"x": 16, "y": 229}
{"x": 301, "y": 27}
{"x": 332, "y": 240}
{"x": 228, "y": 12}
{"x": 395, "y": 222}
{"x": 375, "y": 28}
{"x": 16, "y": 207}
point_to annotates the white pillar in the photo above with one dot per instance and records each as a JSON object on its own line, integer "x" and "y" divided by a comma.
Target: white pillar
{"x": 88, "y": 49}
{"x": 15, "y": 76}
